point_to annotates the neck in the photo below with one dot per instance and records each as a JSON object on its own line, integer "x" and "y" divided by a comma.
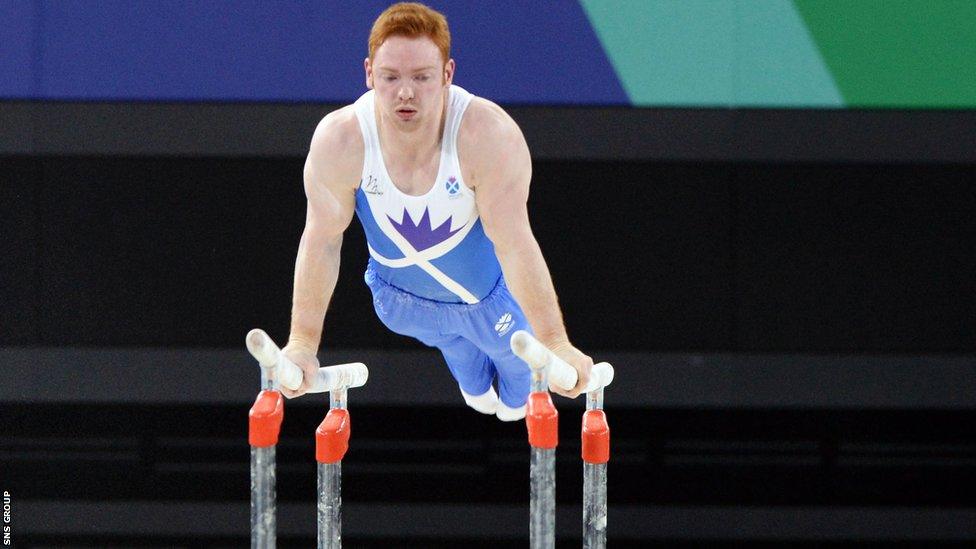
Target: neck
{"x": 406, "y": 140}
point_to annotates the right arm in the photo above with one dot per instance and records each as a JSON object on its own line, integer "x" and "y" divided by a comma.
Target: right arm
{"x": 331, "y": 176}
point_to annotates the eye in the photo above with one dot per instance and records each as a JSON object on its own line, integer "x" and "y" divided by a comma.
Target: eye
{"x": 423, "y": 78}
{"x": 389, "y": 78}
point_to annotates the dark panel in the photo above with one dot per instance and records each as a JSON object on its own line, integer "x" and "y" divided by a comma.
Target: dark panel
{"x": 196, "y": 252}
{"x": 756, "y": 475}
{"x": 843, "y": 135}
{"x": 674, "y": 457}
{"x": 564, "y": 133}
{"x": 627, "y": 134}
{"x": 669, "y": 381}
{"x": 154, "y": 129}
{"x": 182, "y": 252}
{"x": 171, "y": 251}
{"x": 20, "y": 184}
{"x": 857, "y": 258}
{"x": 640, "y": 253}
{"x": 149, "y": 251}
{"x": 17, "y": 121}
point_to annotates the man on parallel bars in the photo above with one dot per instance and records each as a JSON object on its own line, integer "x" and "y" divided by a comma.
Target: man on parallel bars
{"x": 439, "y": 179}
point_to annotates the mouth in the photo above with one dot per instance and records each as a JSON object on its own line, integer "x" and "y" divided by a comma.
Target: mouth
{"x": 406, "y": 113}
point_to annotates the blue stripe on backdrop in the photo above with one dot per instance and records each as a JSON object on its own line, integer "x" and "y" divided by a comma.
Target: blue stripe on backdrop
{"x": 515, "y": 51}
{"x": 200, "y": 50}
{"x": 249, "y": 50}
{"x": 17, "y": 55}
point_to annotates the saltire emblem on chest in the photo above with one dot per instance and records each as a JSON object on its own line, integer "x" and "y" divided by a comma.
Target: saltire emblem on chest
{"x": 452, "y": 186}
{"x": 420, "y": 235}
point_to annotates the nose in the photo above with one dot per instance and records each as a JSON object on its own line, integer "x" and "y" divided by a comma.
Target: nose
{"x": 405, "y": 93}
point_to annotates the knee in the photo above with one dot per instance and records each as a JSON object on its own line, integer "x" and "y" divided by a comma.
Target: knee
{"x": 506, "y": 413}
{"x": 486, "y": 403}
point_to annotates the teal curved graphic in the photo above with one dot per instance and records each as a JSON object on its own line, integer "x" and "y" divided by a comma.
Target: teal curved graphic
{"x": 777, "y": 63}
{"x": 667, "y": 53}
{"x": 713, "y": 53}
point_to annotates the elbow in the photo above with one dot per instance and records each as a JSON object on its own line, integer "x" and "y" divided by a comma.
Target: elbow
{"x": 317, "y": 237}
{"x": 508, "y": 231}
{"x": 513, "y": 244}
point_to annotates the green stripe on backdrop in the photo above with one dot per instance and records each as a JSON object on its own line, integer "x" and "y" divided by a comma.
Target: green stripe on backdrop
{"x": 898, "y": 53}
{"x": 712, "y": 53}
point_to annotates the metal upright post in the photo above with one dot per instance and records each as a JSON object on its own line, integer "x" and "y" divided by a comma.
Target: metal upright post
{"x": 541, "y": 417}
{"x": 331, "y": 444}
{"x": 542, "y": 423}
{"x": 331, "y": 438}
{"x": 264, "y": 424}
{"x": 596, "y": 454}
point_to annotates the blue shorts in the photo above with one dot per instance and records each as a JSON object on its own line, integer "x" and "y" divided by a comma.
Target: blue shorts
{"x": 473, "y": 338}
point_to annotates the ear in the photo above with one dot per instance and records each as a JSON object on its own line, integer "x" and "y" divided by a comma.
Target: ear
{"x": 368, "y": 67}
{"x": 449, "y": 72}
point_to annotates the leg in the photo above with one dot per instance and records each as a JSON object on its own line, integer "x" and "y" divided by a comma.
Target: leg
{"x": 514, "y": 383}
{"x": 490, "y": 326}
{"x": 471, "y": 368}
{"x": 474, "y": 371}
{"x": 411, "y": 316}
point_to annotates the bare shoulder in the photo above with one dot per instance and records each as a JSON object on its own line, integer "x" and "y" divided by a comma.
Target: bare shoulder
{"x": 484, "y": 119}
{"x": 335, "y": 155}
{"x": 488, "y": 133}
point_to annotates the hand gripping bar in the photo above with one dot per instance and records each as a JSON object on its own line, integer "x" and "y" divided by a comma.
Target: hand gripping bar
{"x": 560, "y": 374}
{"x": 329, "y": 378}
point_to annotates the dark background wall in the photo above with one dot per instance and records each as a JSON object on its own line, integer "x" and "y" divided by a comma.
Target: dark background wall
{"x": 651, "y": 256}
{"x": 786, "y": 296}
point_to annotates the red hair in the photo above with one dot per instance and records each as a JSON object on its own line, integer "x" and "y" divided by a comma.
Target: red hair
{"x": 411, "y": 19}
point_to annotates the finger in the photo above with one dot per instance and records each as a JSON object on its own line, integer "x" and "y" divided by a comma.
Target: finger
{"x": 558, "y": 391}
{"x": 584, "y": 380}
{"x": 585, "y": 373}
{"x": 306, "y": 385}
{"x": 289, "y": 394}
{"x": 571, "y": 393}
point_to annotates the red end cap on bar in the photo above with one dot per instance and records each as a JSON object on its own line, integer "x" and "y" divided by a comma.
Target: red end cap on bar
{"x": 332, "y": 436}
{"x": 264, "y": 419}
{"x": 596, "y": 437}
{"x": 542, "y": 420}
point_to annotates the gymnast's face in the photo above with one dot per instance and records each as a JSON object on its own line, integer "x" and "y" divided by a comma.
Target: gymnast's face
{"x": 410, "y": 78}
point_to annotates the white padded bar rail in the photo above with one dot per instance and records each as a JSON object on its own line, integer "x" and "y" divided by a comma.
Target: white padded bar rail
{"x": 289, "y": 375}
{"x": 560, "y": 374}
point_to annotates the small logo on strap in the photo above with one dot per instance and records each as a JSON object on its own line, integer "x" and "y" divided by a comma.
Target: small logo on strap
{"x": 371, "y": 186}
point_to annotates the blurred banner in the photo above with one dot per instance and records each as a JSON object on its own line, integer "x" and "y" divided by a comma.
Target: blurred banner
{"x": 698, "y": 53}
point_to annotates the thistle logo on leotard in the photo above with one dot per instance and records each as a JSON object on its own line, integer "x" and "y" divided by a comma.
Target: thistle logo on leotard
{"x": 420, "y": 235}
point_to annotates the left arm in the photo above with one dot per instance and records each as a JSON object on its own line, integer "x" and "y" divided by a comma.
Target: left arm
{"x": 501, "y": 193}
